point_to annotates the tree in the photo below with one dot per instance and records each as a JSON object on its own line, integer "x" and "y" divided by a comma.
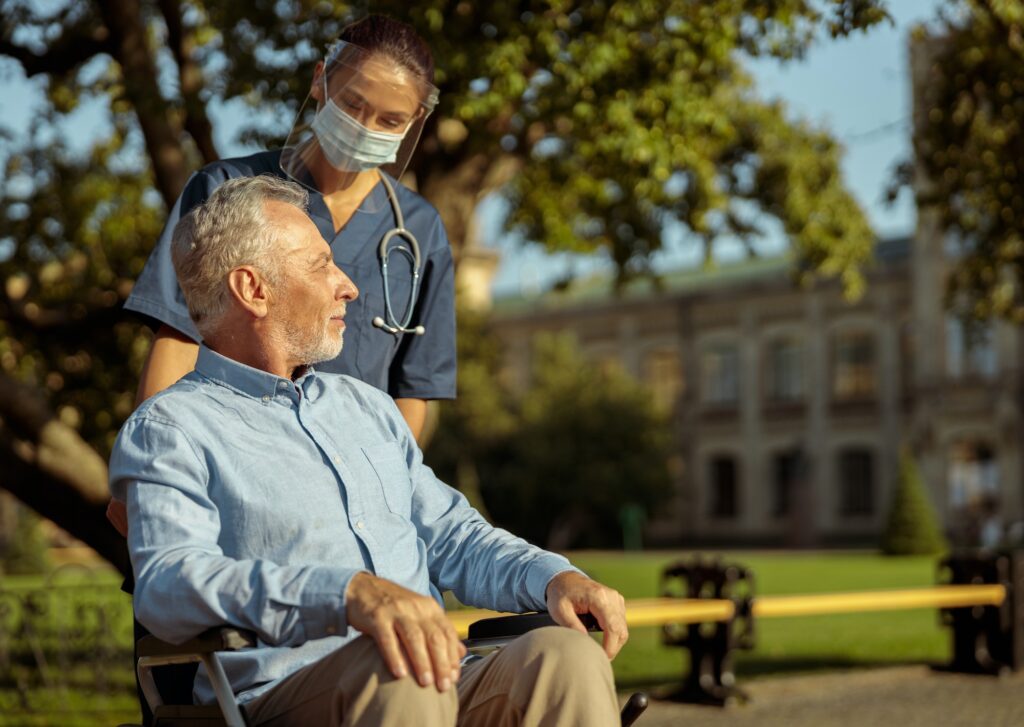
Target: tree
{"x": 968, "y": 145}
{"x": 911, "y": 528}
{"x": 602, "y": 122}
{"x": 559, "y": 462}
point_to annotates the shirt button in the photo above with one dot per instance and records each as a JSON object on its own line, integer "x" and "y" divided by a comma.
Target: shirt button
{"x": 337, "y": 459}
{"x": 359, "y": 525}
{"x": 266, "y": 398}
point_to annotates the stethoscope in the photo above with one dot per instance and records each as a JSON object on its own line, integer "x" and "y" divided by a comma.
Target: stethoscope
{"x": 392, "y": 324}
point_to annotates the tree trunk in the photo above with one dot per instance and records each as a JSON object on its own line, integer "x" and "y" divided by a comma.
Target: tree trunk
{"x": 163, "y": 138}
{"x": 181, "y": 41}
{"x": 457, "y": 190}
{"x": 46, "y": 465}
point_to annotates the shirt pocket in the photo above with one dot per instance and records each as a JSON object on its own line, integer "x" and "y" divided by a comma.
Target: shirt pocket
{"x": 388, "y": 462}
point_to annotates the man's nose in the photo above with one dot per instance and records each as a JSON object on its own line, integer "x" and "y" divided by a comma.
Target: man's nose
{"x": 344, "y": 288}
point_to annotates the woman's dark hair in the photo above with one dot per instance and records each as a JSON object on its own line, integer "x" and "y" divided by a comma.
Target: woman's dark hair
{"x": 394, "y": 39}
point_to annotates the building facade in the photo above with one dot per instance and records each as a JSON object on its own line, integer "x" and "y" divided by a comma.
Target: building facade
{"x": 790, "y": 406}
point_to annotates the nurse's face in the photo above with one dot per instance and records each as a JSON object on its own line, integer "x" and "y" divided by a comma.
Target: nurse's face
{"x": 380, "y": 94}
{"x": 309, "y": 299}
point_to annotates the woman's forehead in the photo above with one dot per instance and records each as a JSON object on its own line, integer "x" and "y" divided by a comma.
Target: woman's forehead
{"x": 379, "y": 81}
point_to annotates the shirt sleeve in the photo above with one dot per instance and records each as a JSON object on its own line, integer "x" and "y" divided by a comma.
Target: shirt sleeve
{"x": 156, "y": 294}
{"x": 482, "y": 565}
{"x": 424, "y": 366}
{"x": 184, "y": 583}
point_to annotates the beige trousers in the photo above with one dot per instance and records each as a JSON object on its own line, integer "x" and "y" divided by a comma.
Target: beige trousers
{"x": 551, "y": 677}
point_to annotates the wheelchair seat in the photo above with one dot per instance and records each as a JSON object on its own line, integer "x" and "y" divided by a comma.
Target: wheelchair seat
{"x": 169, "y": 699}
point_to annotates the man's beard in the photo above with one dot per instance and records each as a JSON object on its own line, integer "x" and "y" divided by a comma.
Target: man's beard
{"x": 311, "y": 346}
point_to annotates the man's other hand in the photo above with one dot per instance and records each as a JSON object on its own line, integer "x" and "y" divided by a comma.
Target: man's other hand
{"x": 570, "y": 594}
{"x": 411, "y": 631}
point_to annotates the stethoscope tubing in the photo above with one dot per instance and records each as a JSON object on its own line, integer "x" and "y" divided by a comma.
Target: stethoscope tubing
{"x": 392, "y": 324}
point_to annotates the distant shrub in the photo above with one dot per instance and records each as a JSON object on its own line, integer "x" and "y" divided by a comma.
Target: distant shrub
{"x": 24, "y": 553}
{"x": 912, "y": 528}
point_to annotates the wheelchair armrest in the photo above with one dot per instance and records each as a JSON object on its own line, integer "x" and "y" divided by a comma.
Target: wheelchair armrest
{"x": 220, "y": 638}
{"x": 508, "y": 627}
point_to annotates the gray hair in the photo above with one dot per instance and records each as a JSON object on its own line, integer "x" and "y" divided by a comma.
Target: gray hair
{"x": 228, "y": 230}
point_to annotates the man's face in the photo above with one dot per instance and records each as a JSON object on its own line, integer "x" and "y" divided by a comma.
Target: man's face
{"x": 308, "y": 302}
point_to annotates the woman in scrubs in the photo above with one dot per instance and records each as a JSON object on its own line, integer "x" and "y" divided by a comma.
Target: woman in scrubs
{"x": 366, "y": 107}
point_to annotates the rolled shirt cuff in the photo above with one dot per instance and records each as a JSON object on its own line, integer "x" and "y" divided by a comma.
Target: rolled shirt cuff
{"x": 540, "y": 574}
{"x": 324, "y": 608}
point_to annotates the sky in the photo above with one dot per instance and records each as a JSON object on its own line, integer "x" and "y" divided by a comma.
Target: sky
{"x": 857, "y": 88}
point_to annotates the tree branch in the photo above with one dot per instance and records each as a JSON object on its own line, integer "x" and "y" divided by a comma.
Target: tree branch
{"x": 163, "y": 142}
{"x": 50, "y": 468}
{"x": 190, "y": 78}
{"x": 76, "y": 45}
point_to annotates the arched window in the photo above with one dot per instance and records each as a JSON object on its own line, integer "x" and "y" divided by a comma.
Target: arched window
{"x": 853, "y": 370}
{"x": 856, "y": 467}
{"x": 723, "y": 480}
{"x": 784, "y": 381}
{"x": 720, "y": 374}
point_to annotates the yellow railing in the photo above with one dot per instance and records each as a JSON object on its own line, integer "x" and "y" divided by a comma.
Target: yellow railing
{"x": 658, "y": 611}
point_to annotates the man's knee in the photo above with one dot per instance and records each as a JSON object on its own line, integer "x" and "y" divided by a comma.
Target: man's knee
{"x": 366, "y": 685}
{"x": 567, "y": 656}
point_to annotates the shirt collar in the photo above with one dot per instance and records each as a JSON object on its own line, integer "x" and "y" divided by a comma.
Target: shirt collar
{"x": 253, "y": 382}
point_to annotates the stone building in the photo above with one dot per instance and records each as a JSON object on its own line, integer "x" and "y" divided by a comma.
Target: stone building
{"x": 790, "y": 405}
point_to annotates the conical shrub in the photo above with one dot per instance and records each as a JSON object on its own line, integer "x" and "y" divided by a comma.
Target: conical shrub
{"x": 912, "y": 527}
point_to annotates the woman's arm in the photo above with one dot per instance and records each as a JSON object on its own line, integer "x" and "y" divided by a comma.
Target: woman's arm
{"x": 172, "y": 355}
{"x": 414, "y": 411}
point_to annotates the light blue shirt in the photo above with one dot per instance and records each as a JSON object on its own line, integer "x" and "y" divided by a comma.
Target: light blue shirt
{"x": 253, "y": 500}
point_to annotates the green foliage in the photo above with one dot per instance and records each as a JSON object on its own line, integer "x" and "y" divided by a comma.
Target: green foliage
{"x": 603, "y": 122}
{"x": 970, "y": 146}
{"x": 24, "y": 553}
{"x": 911, "y": 528}
{"x": 558, "y": 463}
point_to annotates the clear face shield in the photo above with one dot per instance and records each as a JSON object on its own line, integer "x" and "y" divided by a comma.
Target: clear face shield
{"x": 365, "y": 112}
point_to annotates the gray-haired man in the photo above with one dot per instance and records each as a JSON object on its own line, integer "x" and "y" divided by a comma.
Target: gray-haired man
{"x": 266, "y": 496}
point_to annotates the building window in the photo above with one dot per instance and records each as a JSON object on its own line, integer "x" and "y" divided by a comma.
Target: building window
{"x": 720, "y": 375}
{"x": 786, "y": 471}
{"x": 663, "y": 372}
{"x": 856, "y": 483}
{"x": 854, "y": 371}
{"x": 785, "y": 370}
{"x": 724, "y": 488}
{"x": 970, "y": 349}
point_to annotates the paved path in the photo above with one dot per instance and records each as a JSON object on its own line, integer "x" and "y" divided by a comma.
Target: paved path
{"x": 906, "y": 696}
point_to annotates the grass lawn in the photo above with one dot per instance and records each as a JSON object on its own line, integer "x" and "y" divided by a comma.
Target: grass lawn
{"x": 793, "y": 644}
{"x": 782, "y": 645}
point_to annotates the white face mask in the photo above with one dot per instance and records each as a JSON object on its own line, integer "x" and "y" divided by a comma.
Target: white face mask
{"x": 348, "y": 145}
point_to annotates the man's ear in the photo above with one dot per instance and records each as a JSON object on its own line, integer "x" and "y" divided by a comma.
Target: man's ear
{"x": 250, "y": 291}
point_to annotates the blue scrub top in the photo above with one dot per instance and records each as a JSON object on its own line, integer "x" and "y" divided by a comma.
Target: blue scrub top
{"x": 404, "y": 365}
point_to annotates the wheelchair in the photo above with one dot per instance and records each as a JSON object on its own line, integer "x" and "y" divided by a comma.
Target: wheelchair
{"x": 169, "y": 695}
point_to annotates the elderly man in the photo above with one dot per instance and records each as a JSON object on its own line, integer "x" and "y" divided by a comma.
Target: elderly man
{"x": 267, "y": 496}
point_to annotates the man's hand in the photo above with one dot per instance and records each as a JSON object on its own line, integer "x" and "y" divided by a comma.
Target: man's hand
{"x": 410, "y": 630}
{"x": 570, "y": 593}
